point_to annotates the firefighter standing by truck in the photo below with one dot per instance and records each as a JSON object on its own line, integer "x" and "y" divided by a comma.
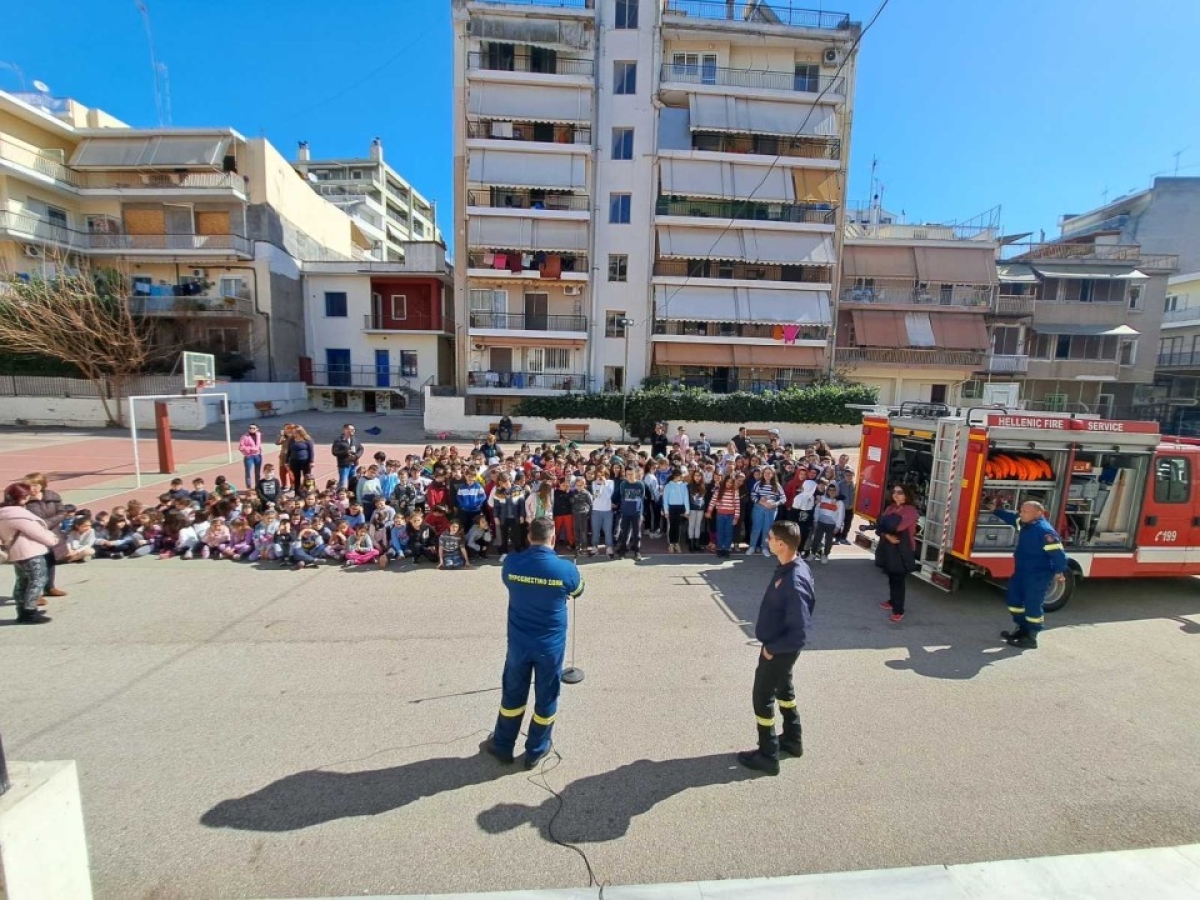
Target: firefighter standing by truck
{"x": 1039, "y": 559}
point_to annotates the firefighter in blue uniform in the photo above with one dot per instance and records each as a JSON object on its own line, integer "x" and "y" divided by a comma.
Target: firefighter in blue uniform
{"x": 1040, "y": 560}
{"x": 539, "y": 584}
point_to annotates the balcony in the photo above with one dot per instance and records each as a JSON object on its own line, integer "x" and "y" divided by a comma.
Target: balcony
{"x": 1178, "y": 360}
{"x": 1004, "y": 364}
{"x": 351, "y": 376}
{"x": 741, "y": 271}
{"x": 561, "y": 4}
{"x": 534, "y": 63}
{"x": 1186, "y": 315}
{"x": 681, "y": 73}
{"x": 751, "y": 382}
{"x": 500, "y": 198}
{"x": 1072, "y": 369}
{"x": 529, "y": 132}
{"x": 48, "y": 166}
{"x": 181, "y": 305}
{"x": 746, "y": 209}
{"x": 176, "y": 181}
{"x": 501, "y": 321}
{"x": 415, "y": 321}
{"x": 767, "y": 145}
{"x": 570, "y": 267}
{"x": 171, "y": 244}
{"x": 1015, "y": 305}
{"x": 778, "y": 12}
{"x": 483, "y": 381}
{"x": 731, "y": 331}
{"x": 1127, "y": 253}
{"x": 891, "y": 356}
{"x": 973, "y": 298}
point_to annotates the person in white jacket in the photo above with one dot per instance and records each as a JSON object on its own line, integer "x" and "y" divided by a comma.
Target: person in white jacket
{"x": 602, "y": 512}
{"x": 804, "y": 504}
{"x": 26, "y": 539}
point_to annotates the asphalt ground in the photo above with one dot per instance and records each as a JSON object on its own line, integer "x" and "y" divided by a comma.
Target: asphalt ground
{"x": 246, "y": 732}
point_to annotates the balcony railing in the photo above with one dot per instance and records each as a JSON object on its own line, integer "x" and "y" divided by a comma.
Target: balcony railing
{"x": 504, "y": 199}
{"x": 569, "y": 263}
{"x": 1003, "y": 364}
{"x": 43, "y": 231}
{"x": 184, "y": 305}
{"x": 1015, "y": 304}
{"x": 529, "y": 62}
{"x": 742, "y": 271}
{"x": 1185, "y": 314}
{"x": 562, "y": 4}
{"x": 37, "y": 162}
{"x": 907, "y": 357}
{"x": 1177, "y": 360}
{"x": 525, "y": 322}
{"x": 1128, "y": 253}
{"x": 729, "y": 330}
{"x": 746, "y": 209}
{"x": 169, "y": 180}
{"x": 530, "y": 132}
{"x": 414, "y": 322}
{"x": 551, "y": 381}
{"x": 393, "y": 377}
{"x": 765, "y": 145}
{"x": 979, "y": 298}
{"x": 759, "y": 382}
{"x": 777, "y": 12}
{"x": 688, "y": 73}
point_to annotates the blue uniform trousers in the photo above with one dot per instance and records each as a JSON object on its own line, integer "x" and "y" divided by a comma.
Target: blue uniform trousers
{"x": 1026, "y": 597}
{"x": 544, "y": 665}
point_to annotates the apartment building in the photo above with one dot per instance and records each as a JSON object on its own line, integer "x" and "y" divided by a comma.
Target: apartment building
{"x": 383, "y": 204}
{"x": 646, "y": 189}
{"x": 379, "y": 332}
{"x": 210, "y": 227}
{"x": 1177, "y": 368}
{"x": 917, "y": 310}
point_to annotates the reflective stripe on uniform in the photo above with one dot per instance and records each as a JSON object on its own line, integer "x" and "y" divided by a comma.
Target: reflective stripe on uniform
{"x": 578, "y": 590}
{"x": 1049, "y": 547}
{"x": 787, "y": 704}
{"x": 765, "y": 722}
{"x": 1035, "y": 621}
{"x": 1016, "y": 609}
{"x": 543, "y": 720}
{"x": 513, "y": 713}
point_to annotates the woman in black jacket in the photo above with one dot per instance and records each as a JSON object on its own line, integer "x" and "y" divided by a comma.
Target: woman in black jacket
{"x": 300, "y": 457}
{"x": 49, "y": 507}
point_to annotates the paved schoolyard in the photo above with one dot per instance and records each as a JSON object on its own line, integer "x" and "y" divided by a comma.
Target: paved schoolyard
{"x": 249, "y": 733}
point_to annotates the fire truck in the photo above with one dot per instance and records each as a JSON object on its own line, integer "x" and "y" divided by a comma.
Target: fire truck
{"x": 1124, "y": 498}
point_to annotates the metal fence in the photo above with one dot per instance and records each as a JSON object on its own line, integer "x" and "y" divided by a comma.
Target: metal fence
{"x": 51, "y": 386}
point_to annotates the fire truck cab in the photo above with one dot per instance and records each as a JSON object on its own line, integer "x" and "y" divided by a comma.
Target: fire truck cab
{"x": 1124, "y": 499}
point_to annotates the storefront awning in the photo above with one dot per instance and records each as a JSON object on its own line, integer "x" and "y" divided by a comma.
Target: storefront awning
{"x": 744, "y": 115}
{"x": 1086, "y": 330}
{"x": 956, "y": 265}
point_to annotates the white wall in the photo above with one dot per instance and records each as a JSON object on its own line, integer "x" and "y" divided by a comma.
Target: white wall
{"x": 446, "y": 415}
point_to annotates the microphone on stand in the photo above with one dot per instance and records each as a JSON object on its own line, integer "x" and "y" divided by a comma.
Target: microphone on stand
{"x": 572, "y": 674}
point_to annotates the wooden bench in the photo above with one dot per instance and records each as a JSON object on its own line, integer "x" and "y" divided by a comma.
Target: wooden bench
{"x": 494, "y": 428}
{"x": 265, "y": 408}
{"x": 572, "y": 431}
{"x": 759, "y": 435}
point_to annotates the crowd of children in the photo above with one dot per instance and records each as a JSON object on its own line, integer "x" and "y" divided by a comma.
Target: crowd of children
{"x": 450, "y": 508}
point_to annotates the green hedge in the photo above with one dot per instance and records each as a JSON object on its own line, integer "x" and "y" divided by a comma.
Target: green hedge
{"x": 821, "y": 404}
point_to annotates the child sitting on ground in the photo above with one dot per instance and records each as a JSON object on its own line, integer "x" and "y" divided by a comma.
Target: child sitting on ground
{"x": 397, "y": 545}
{"x": 452, "y": 553}
{"x": 217, "y": 540}
{"x": 479, "y": 537}
{"x": 241, "y": 539}
{"x": 362, "y": 548}
{"x": 81, "y": 541}
{"x": 422, "y": 539}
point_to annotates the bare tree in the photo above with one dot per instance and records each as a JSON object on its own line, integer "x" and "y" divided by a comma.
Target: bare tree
{"x": 81, "y": 317}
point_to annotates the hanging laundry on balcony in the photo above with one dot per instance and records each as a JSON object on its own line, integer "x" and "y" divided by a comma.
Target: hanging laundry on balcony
{"x": 790, "y": 333}
{"x": 500, "y": 261}
{"x": 552, "y": 267}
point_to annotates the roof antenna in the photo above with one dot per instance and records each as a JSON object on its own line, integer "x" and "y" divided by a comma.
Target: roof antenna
{"x": 162, "y": 86}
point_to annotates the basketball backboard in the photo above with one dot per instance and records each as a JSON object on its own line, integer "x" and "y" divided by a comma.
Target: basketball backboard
{"x": 199, "y": 367}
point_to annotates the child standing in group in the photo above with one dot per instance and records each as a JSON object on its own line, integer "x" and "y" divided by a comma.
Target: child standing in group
{"x": 362, "y": 549}
{"x": 452, "y": 552}
{"x": 829, "y": 514}
{"x": 581, "y": 512}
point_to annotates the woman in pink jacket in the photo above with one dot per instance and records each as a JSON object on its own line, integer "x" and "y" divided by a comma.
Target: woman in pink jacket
{"x": 251, "y": 448}
{"x": 26, "y": 538}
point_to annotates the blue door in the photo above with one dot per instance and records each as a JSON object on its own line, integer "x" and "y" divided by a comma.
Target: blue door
{"x": 382, "y": 369}
{"x": 337, "y": 366}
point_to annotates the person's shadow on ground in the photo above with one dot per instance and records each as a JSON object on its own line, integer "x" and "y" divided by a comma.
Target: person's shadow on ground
{"x": 957, "y": 662}
{"x": 602, "y": 807}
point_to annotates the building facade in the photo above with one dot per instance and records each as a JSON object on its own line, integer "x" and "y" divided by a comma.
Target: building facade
{"x": 647, "y": 190}
{"x": 209, "y": 227}
{"x": 379, "y": 332}
{"x": 385, "y": 206}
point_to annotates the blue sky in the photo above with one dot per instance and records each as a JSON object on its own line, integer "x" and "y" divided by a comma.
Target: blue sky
{"x": 1035, "y": 105}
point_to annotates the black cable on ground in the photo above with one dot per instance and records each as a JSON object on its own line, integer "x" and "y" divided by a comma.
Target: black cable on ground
{"x": 547, "y": 766}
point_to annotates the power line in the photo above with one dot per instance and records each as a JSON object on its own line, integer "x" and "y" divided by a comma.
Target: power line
{"x": 812, "y": 107}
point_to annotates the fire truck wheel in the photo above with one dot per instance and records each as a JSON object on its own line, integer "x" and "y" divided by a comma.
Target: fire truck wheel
{"x": 1060, "y": 592}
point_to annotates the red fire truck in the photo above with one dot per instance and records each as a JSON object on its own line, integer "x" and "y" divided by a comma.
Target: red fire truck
{"x": 1124, "y": 498}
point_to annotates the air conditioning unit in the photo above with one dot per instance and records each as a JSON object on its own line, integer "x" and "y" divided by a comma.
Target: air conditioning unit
{"x": 831, "y": 56}
{"x": 572, "y": 290}
{"x": 200, "y": 273}
{"x": 33, "y": 251}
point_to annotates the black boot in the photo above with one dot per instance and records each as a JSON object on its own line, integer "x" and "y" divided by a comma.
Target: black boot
{"x": 32, "y": 617}
{"x": 792, "y": 745}
{"x": 1023, "y": 641}
{"x": 1013, "y": 633}
{"x": 754, "y": 759}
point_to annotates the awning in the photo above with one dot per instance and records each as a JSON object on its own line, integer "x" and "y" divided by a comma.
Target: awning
{"x": 742, "y": 115}
{"x": 960, "y": 331}
{"x": 879, "y": 328}
{"x": 566, "y": 104}
{"x": 722, "y": 303}
{"x": 1016, "y": 273}
{"x": 557, "y": 34}
{"x": 519, "y": 169}
{"x": 956, "y": 265}
{"x": 1074, "y": 273}
{"x": 181, "y": 151}
{"x": 1086, "y": 330}
{"x": 747, "y": 244}
{"x": 878, "y": 261}
{"x": 815, "y": 186}
{"x": 519, "y": 233}
{"x": 725, "y": 180}
{"x": 722, "y": 355}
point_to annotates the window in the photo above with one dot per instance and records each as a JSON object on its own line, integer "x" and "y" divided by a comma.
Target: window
{"x": 622, "y": 143}
{"x": 624, "y": 77}
{"x": 233, "y": 286}
{"x": 335, "y": 304}
{"x": 356, "y": 174}
{"x": 1172, "y": 480}
{"x": 399, "y": 306}
{"x": 1171, "y": 303}
{"x": 549, "y": 359}
{"x": 618, "y": 267}
{"x": 808, "y": 77}
{"x": 627, "y": 14}
{"x": 224, "y": 340}
{"x": 618, "y": 208}
{"x": 56, "y": 216}
{"x": 1006, "y": 340}
{"x": 614, "y": 323}
{"x": 408, "y": 363}
{"x": 1127, "y": 352}
{"x": 1135, "y": 296}
{"x": 694, "y": 67}
{"x": 614, "y": 378}
{"x": 1085, "y": 291}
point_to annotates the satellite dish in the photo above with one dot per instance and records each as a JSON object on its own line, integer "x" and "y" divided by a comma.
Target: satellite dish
{"x": 41, "y": 87}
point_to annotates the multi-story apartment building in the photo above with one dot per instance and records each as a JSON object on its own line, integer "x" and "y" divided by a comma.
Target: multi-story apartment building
{"x": 385, "y": 206}
{"x": 378, "y": 332}
{"x": 647, "y": 189}
{"x": 1177, "y": 370}
{"x": 917, "y": 310}
{"x": 209, "y": 227}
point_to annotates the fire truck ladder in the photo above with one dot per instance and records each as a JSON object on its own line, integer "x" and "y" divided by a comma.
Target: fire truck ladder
{"x": 944, "y": 478}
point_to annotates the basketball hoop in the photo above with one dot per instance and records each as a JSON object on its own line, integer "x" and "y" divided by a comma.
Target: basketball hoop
{"x": 201, "y": 384}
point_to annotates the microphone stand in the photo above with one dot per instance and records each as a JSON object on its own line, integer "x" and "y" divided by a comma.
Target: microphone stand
{"x": 572, "y": 674}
